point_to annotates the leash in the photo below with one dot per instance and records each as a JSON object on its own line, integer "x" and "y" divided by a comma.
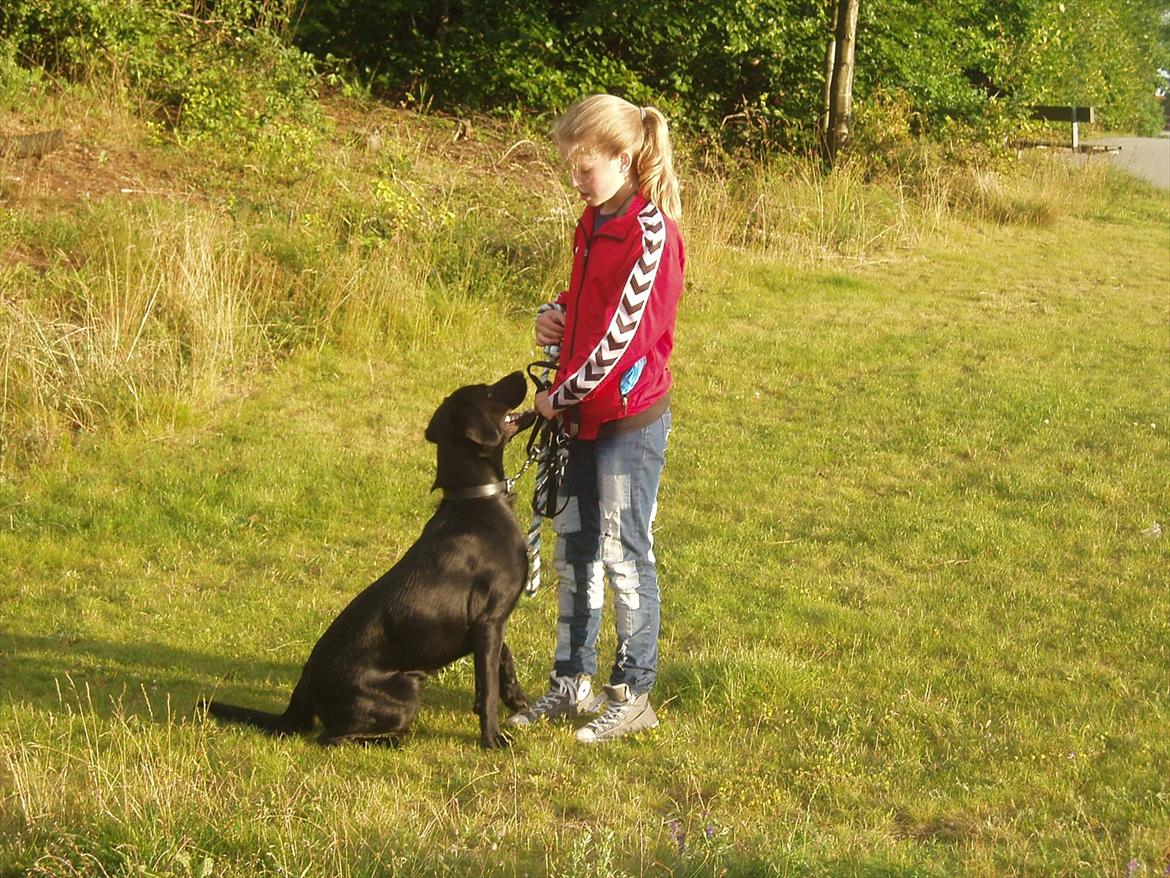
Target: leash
{"x": 548, "y": 446}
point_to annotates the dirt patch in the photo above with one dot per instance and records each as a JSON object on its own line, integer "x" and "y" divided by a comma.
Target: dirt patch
{"x": 80, "y": 170}
{"x": 956, "y": 828}
{"x": 474, "y": 144}
{"x": 38, "y": 262}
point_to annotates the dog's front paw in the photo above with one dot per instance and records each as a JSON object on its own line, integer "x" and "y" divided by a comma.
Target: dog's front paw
{"x": 498, "y": 741}
{"x": 517, "y": 702}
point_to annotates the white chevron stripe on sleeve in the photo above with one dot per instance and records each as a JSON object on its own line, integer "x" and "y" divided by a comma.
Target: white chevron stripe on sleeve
{"x": 626, "y": 319}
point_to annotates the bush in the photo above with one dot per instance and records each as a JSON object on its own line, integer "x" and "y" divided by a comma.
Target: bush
{"x": 751, "y": 71}
{"x": 736, "y": 74}
{"x": 232, "y": 77}
{"x": 14, "y": 79}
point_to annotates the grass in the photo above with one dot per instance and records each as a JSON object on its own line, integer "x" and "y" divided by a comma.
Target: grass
{"x": 912, "y": 598}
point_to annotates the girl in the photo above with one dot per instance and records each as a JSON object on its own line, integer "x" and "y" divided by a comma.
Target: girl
{"x": 615, "y": 328}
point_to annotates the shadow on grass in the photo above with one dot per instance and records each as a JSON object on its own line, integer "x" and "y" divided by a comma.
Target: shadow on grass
{"x": 60, "y": 673}
{"x": 47, "y": 672}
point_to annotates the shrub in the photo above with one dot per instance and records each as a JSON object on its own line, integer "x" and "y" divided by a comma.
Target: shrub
{"x": 233, "y": 77}
{"x": 14, "y": 79}
{"x": 751, "y": 71}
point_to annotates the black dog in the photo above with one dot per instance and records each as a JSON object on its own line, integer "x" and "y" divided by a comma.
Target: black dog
{"x": 449, "y": 595}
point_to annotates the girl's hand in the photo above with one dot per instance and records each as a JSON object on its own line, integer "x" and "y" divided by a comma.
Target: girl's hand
{"x": 550, "y": 327}
{"x": 543, "y": 407}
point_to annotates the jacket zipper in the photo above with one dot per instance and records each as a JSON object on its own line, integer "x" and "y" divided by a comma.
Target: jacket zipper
{"x": 577, "y": 298}
{"x": 589, "y": 236}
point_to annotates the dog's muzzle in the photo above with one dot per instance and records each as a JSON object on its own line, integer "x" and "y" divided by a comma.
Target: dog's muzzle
{"x": 516, "y": 422}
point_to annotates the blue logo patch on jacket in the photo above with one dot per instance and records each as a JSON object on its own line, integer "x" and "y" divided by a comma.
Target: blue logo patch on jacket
{"x": 631, "y": 375}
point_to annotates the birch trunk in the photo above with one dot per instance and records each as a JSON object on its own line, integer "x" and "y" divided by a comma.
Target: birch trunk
{"x": 841, "y": 97}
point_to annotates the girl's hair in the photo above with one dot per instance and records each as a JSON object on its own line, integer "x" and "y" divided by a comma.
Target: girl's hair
{"x": 609, "y": 125}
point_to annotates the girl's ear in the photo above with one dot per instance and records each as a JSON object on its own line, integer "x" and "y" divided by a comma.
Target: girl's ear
{"x": 624, "y": 162}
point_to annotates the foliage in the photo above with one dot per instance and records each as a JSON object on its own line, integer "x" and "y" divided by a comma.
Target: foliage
{"x": 751, "y": 70}
{"x": 231, "y": 76}
{"x": 732, "y": 72}
{"x": 973, "y": 69}
{"x": 711, "y": 69}
{"x": 1108, "y": 60}
{"x": 15, "y": 80}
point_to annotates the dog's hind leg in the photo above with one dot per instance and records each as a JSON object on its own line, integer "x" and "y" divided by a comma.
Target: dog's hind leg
{"x": 510, "y": 692}
{"x": 378, "y": 724}
{"x": 379, "y": 713}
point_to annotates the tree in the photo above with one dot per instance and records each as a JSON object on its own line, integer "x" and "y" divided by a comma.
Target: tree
{"x": 837, "y": 106}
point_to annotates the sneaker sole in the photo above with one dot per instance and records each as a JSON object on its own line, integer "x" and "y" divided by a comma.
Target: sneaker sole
{"x": 607, "y": 739}
{"x": 602, "y": 739}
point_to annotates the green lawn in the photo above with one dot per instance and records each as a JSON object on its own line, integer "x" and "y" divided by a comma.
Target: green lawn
{"x": 915, "y": 613}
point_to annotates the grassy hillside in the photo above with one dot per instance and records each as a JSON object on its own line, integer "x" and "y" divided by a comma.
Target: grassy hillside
{"x": 912, "y": 579}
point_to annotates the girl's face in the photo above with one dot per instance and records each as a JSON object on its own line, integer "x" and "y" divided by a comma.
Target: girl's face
{"x": 602, "y": 181}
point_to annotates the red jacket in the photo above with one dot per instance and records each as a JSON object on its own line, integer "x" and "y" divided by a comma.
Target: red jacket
{"x": 620, "y": 307}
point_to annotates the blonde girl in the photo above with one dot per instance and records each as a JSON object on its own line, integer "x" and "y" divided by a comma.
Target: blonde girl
{"x": 615, "y": 328}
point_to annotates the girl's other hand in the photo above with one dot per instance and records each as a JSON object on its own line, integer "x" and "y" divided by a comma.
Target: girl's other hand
{"x": 550, "y": 327}
{"x": 543, "y": 407}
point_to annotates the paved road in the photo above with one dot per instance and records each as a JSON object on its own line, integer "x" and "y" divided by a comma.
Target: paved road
{"x": 1147, "y": 157}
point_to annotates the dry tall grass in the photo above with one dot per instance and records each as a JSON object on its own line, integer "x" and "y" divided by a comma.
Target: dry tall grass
{"x": 166, "y": 304}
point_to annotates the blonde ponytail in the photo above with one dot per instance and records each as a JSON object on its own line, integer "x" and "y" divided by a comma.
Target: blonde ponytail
{"x": 607, "y": 124}
{"x": 655, "y": 164}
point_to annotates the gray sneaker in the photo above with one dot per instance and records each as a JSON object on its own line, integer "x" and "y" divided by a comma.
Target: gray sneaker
{"x": 624, "y": 714}
{"x": 567, "y": 697}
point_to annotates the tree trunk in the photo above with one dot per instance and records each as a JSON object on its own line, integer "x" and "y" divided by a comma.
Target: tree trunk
{"x": 841, "y": 87}
{"x": 827, "y": 91}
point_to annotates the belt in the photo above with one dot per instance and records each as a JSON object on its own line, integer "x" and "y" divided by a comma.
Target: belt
{"x": 635, "y": 422}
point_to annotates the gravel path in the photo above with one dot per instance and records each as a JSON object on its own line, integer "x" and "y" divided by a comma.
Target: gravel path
{"x": 1147, "y": 157}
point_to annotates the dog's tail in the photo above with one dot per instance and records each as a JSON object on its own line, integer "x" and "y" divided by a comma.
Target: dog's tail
{"x": 297, "y": 717}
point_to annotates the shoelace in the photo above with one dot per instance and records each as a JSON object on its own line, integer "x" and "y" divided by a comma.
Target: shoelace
{"x": 612, "y": 716}
{"x": 549, "y": 700}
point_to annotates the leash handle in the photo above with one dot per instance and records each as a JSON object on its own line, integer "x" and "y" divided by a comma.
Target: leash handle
{"x": 548, "y": 445}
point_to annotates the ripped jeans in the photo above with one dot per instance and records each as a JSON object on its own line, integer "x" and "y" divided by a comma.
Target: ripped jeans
{"x": 604, "y": 536}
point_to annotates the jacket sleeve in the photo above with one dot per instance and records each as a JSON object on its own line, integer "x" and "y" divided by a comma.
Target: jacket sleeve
{"x": 638, "y": 321}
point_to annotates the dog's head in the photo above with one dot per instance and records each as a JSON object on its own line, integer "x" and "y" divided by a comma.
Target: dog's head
{"x": 482, "y": 415}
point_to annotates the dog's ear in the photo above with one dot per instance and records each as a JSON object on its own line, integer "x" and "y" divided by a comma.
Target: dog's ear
{"x": 453, "y": 420}
{"x": 478, "y": 427}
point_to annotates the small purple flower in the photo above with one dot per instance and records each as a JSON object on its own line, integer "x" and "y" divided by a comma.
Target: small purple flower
{"x": 1132, "y": 868}
{"x": 709, "y": 832}
{"x": 679, "y": 835}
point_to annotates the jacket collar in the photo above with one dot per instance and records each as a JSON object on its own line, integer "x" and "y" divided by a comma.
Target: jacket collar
{"x": 621, "y": 225}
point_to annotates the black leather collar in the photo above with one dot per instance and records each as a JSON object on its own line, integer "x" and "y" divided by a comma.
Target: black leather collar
{"x": 477, "y": 492}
